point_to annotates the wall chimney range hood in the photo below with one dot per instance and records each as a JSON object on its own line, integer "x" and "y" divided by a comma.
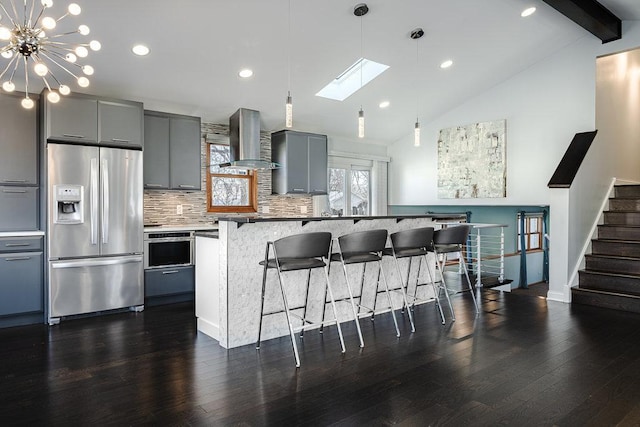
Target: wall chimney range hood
{"x": 244, "y": 142}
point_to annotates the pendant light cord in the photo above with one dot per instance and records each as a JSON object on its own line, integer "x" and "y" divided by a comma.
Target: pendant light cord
{"x": 417, "y": 81}
{"x": 361, "y": 61}
{"x": 289, "y": 50}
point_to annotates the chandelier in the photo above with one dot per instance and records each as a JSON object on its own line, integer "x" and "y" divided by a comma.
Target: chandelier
{"x": 32, "y": 44}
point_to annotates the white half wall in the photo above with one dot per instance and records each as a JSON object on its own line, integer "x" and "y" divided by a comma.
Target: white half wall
{"x": 544, "y": 106}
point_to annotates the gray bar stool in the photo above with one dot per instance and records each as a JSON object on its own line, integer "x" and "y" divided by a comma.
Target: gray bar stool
{"x": 414, "y": 243}
{"x": 363, "y": 247}
{"x": 306, "y": 251}
{"x": 451, "y": 240}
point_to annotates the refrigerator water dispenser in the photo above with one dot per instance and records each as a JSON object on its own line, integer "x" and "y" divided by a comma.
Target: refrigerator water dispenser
{"x": 68, "y": 204}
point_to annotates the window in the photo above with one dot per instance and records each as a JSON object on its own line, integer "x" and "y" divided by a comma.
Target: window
{"x": 229, "y": 190}
{"x": 350, "y": 191}
{"x": 532, "y": 232}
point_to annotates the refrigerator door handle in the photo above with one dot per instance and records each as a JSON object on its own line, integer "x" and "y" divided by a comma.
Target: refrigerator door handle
{"x": 105, "y": 202}
{"x": 95, "y": 262}
{"x": 93, "y": 197}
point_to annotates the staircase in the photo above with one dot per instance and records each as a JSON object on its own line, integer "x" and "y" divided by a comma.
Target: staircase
{"x": 611, "y": 277}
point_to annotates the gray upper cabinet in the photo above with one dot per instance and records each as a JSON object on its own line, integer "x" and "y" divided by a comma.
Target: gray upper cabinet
{"x": 303, "y": 163}
{"x": 73, "y": 119}
{"x": 184, "y": 153}
{"x": 156, "y": 152}
{"x": 120, "y": 123}
{"x": 18, "y": 208}
{"x": 18, "y": 142}
{"x": 85, "y": 119}
{"x": 172, "y": 151}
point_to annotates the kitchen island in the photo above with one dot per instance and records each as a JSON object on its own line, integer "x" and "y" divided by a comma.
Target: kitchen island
{"x": 229, "y": 278}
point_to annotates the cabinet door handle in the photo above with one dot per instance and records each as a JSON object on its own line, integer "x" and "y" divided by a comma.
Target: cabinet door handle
{"x": 153, "y": 185}
{"x": 13, "y": 245}
{"x": 19, "y": 258}
{"x": 119, "y": 140}
{"x": 170, "y": 272}
{"x": 15, "y": 191}
{"x": 186, "y": 186}
{"x": 298, "y": 189}
{"x": 17, "y": 181}
{"x": 70, "y": 135}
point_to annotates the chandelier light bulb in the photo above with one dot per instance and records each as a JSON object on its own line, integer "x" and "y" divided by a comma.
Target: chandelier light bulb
{"x": 288, "y": 115}
{"x": 40, "y": 69}
{"x": 83, "y": 82}
{"x": 95, "y": 45}
{"x": 87, "y": 69}
{"x": 82, "y": 51}
{"x": 416, "y": 135}
{"x": 42, "y": 34}
{"x": 53, "y": 97}
{"x": 64, "y": 90}
{"x": 74, "y": 9}
{"x": 47, "y": 3}
{"x": 5, "y": 33}
{"x": 27, "y": 103}
{"x": 7, "y": 54}
{"x": 8, "y": 86}
{"x": 84, "y": 30}
{"x": 361, "y": 124}
{"x": 70, "y": 57}
{"x": 48, "y": 23}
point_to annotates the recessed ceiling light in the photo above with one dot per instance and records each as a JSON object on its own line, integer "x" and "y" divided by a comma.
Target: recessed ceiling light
{"x": 245, "y": 73}
{"x": 384, "y": 104}
{"x": 446, "y": 64}
{"x": 528, "y": 12}
{"x": 140, "y": 50}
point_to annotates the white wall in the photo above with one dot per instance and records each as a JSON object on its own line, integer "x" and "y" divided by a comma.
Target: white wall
{"x": 544, "y": 106}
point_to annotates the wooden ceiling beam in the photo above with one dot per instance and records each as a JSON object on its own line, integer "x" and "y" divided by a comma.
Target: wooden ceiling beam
{"x": 592, "y": 16}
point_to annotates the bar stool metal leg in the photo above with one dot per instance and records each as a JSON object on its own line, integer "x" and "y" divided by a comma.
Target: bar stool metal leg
{"x": 264, "y": 282}
{"x": 353, "y": 305}
{"x": 286, "y": 311}
{"x": 386, "y": 288}
{"x": 434, "y": 287}
{"x": 466, "y": 273}
{"x": 306, "y": 301}
{"x": 404, "y": 294}
{"x": 335, "y": 311}
{"x": 441, "y": 264}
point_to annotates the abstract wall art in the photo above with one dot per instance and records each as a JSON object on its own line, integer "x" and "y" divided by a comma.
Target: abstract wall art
{"x": 472, "y": 161}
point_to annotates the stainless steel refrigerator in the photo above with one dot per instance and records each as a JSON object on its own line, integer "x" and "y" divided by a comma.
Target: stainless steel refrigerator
{"x": 95, "y": 229}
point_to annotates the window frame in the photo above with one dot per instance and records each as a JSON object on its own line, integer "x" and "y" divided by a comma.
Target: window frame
{"x": 529, "y": 233}
{"x": 350, "y": 165}
{"x": 251, "y": 176}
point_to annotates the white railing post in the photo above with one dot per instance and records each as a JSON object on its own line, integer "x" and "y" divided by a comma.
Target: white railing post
{"x": 479, "y": 262}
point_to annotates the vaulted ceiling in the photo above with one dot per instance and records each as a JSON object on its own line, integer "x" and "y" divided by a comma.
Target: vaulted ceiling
{"x": 198, "y": 47}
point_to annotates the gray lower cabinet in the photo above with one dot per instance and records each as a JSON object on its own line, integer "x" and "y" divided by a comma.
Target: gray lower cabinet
{"x": 171, "y": 151}
{"x": 18, "y": 142}
{"x": 168, "y": 285}
{"x": 18, "y": 208}
{"x": 303, "y": 163}
{"x": 21, "y": 281}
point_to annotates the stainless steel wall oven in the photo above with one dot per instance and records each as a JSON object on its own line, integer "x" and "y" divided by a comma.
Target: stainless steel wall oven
{"x": 168, "y": 249}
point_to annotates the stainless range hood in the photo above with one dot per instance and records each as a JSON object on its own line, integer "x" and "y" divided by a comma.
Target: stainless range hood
{"x": 244, "y": 142}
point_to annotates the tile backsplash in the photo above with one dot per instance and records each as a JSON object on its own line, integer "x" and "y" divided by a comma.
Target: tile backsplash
{"x": 161, "y": 206}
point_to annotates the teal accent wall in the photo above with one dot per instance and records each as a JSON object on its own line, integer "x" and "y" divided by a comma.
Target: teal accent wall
{"x": 506, "y": 215}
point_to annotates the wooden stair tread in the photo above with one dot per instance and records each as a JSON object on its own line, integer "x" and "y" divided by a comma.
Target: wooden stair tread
{"x": 600, "y": 292}
{"x": 632, "y": 242}
{"x": 606, "y": 273}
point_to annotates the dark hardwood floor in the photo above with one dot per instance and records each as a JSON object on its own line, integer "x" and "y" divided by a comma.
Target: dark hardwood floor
{"x": 521, "y": 361}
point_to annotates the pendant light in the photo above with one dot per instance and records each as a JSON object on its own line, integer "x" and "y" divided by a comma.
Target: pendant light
{"x": 288, "y": 109}
{"x": 360, "y": 10}
{"x": 415, "y": 35}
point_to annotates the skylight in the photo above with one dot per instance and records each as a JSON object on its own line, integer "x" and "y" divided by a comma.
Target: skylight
{"x": 347, "y": 83}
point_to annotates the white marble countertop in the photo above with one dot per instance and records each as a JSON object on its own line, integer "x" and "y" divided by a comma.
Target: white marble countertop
{"x": 181, "y": 227}
{"x": 21, "y": 233}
